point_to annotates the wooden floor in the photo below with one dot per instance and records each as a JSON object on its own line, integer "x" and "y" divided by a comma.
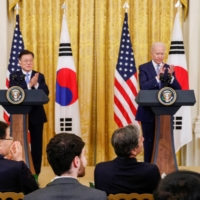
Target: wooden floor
{"x": 47, "y": 175}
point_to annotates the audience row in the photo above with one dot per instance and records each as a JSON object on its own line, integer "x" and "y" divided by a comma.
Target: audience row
{"x": 66, "y": 156}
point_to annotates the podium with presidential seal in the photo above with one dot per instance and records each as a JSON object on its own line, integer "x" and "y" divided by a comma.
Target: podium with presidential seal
{"x": 165, "y": 103}
{"x": 18, "y": 103}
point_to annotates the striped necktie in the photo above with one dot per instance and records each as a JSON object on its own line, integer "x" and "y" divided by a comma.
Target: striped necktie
{"x": 157, "y": 72}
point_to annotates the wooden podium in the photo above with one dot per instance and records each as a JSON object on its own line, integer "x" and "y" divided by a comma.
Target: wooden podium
{"x": 19, "y": 119}
{"x": 164, "y": 152}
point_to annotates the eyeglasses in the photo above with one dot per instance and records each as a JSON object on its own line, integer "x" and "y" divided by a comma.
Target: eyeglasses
{"x": 27, "y": 61}
{"x": 10, "y": 138}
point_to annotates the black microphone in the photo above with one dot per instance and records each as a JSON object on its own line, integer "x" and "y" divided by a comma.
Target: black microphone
{"x": 18, "y": 79}
{"x": 22, "y": 77}
{"x": 169, "y": 78}
{"x": 14, "y": 76}
{"x": 162, "y": 77}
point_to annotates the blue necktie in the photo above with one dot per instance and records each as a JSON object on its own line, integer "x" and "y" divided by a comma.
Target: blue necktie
{"x": 27, "y": 78}
{"x": 157, "y": 72}
{"x": 157, "y": 69}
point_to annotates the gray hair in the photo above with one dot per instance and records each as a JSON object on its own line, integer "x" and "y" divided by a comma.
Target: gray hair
{"x": 157, "y": 44}
{"x": 125, "y": 139}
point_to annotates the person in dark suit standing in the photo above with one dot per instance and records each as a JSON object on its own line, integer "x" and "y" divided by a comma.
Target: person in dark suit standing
{"x": 66, "y": 155}
{"x": 14, "y": 174}
{"x": 153, "y": 75}
{"x": 29, "y": 79}
{"x": 124, "y": 174}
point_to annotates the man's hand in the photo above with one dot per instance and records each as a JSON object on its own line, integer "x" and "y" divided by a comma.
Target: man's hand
{"x": 161, "y": 70}
{"x": 171, "y": 69}
{"x": 34, "y": 80}
{"x": 16, "y": 151}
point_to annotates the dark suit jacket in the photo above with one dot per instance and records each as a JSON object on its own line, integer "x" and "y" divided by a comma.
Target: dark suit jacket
{"x": 66, "y": 188}
{"x": 126, "y": 176}
{"x": 37, "y": 114}
{"x": 16, "y": 177}
{"x": 148, "y": 81}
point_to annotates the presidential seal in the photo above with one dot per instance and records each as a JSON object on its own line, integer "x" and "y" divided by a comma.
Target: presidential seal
{"x": 15, "y": 95}
{"x": 167, "y": 96}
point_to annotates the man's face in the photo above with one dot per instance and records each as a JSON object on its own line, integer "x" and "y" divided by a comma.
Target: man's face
{"x": 158, "y": 53}
{"x": 83, "y": 163}
{"x": 5, "y": 144}
{"x": 26, "y": 62}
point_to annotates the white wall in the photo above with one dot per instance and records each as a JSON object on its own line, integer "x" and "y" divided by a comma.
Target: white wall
{"x": 6, "y": 34}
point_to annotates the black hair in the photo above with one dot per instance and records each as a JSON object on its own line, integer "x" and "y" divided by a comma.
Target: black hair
{"x": 25, "y": 52}
{"x": 3, "y": 127}
{"x": 179, "y": 185}
{"x": 61, "y": 151}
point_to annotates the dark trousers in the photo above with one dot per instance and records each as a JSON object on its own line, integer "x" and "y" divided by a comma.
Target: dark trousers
{"x": 148, "y": 130}
{"x": 36, "y": 145}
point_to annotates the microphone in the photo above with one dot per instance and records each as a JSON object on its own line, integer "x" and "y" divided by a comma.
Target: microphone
{"x": 169, "y": 78}
{"x": 18, "y": 79}
{"x": 14, "y": 76}
{"x": 22, "y": 77}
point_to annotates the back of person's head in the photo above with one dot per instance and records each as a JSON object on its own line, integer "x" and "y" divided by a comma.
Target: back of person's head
{"x": 179, "y": 185}
{"x": 3, "y": 127}
{"x": 125, "y": 139}
{"x": 61, "y": 151}
{"x": 25, "y": 52}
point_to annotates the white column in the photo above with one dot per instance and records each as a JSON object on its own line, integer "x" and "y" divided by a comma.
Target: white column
{"x": 194, "y": 76}
{"x": 6, "y": 34}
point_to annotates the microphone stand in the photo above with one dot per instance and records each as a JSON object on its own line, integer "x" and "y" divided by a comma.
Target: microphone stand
{"x": 18, "y": 79}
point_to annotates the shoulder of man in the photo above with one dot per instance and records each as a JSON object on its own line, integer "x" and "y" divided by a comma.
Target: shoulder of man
{"x": 95, "y": 193}
{"x": 16, "y": 72}
{"x": 103, "y": 165}
{"x": 145, "y": 64}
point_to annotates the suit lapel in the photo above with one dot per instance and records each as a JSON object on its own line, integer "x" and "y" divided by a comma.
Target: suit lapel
{"x": 33, "y": 73}
{"x": 151, "y": 69}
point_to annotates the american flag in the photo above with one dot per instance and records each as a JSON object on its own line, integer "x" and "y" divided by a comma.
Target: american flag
{"x": 125, "y": 85}
{"x": 13, "y": 65}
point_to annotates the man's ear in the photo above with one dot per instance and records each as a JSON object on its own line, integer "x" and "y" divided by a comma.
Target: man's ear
{"x": 76, "y": 162}
{"x": 134, "y": 152}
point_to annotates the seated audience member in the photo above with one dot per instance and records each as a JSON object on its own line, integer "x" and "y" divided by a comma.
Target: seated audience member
{"x": 179, "y": 185}
{"x": 124, "y": 174}
{"x": 66, "y": 155}
{"x": 14, "y": 174}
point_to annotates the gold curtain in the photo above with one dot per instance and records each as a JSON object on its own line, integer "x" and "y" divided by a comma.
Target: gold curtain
{"x": 95, "y": 29}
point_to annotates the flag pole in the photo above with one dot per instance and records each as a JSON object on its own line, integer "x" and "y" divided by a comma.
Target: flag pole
{"x": 17, "y": 8}
{"x": 178, "y": 5}
{"x": 126, "y": 6}
{"x": 64, "y": 7}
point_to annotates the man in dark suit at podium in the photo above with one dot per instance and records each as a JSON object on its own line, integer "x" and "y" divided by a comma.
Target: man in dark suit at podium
{"x": 124, "y": 174}
{"x": 27, "y": 78}
{"x": 153, "y": 76}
